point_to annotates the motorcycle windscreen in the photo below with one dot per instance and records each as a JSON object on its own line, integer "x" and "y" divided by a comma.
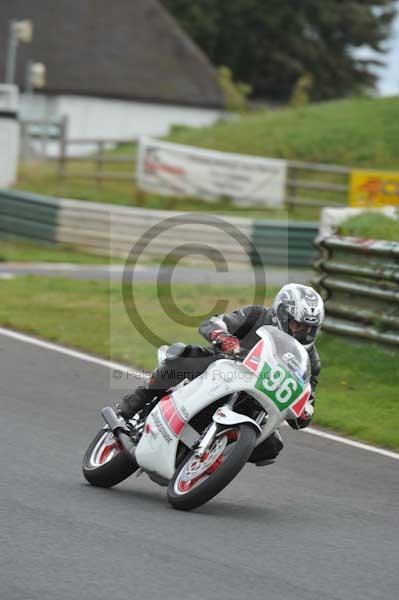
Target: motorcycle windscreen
{"x": 287, "y": 351}
{"x": 282, "y": 368}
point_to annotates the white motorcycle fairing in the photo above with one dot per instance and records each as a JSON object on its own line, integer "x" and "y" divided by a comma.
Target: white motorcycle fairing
{"x": 168, "y": 422}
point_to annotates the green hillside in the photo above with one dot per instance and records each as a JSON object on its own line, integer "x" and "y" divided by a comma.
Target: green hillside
{"x": 360, "y": 132}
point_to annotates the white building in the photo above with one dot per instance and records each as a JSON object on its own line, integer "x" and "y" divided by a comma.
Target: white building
{"x": 116, "y": 69}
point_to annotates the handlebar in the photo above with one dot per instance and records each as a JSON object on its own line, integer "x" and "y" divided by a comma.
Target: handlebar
{"x": 235, "y": 354}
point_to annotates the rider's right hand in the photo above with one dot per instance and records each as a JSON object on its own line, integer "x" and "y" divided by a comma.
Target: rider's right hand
{"x": 225, "y": 341}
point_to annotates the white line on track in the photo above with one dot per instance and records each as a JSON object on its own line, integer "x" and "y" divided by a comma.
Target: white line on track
{"x": 21, "y": 337}
{"x": 28, "y": 339}
{"x": 353, "y": 443}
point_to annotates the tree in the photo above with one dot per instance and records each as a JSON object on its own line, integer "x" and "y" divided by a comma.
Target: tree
{"x": 271, "y": 44}
{"x": 235, "y": 93}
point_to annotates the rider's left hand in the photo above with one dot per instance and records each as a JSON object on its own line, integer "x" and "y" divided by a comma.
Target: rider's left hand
{"x": 307, "y": 412}
{"x": 304, "y": 418}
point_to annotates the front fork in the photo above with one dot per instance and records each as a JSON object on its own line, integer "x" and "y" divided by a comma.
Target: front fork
{"x": 225, "y": 418}
{"x": 207, "y": 440}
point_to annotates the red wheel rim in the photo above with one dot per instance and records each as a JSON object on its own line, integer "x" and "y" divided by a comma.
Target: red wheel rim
{"x": 195, "y": 471}
{"x": 106, "y": 448}
{"x": 186, "y": 486}
{"x": 107, "y": 451}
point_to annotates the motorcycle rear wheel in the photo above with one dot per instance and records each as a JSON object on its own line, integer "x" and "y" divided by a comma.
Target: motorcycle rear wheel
{"x": 193, "y": 485}
{"x": 105, "y": 463}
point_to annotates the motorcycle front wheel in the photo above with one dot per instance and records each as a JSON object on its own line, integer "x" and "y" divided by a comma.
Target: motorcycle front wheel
{"x": 197, "y": 480}
{"x": 105, "y": 463}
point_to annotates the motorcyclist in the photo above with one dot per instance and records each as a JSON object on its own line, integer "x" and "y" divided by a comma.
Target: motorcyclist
{"x": 297, "y": 310}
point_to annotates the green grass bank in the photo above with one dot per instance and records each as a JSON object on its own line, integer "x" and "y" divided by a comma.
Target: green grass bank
{"x": 358, "y": 132}
{"x": 372, "y": 226}
{"x": 362, "y": 132}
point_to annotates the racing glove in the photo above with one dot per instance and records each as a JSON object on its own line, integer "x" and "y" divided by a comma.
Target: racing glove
{"x": 305, "y": 417}
{"x": 225, "y": 341}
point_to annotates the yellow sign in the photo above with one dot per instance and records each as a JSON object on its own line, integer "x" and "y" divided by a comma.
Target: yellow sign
{"x": 374, "y": 188}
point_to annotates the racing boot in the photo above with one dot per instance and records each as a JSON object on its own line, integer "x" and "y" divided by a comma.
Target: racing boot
{"x": 135, "y": 401}
{"x": 155, "y": 385}
{"x": 268, "y": 450}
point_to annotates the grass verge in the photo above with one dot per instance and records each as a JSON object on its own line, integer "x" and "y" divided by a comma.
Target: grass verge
{"x": 372, "y": 226}
{"x": 358, "y": 392}
{"x": 358, "y": 388}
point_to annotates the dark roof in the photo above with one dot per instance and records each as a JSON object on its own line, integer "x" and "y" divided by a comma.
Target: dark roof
{"x": 130, "y": 49}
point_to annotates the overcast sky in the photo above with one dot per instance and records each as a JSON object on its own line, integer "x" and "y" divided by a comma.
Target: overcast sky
{"x": 388, "y": 83}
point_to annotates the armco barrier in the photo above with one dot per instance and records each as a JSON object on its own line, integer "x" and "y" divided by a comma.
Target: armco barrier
{"x": 279, "y": 242}
{"x": 359, "y": 280}
{"x": 112, "y": 229}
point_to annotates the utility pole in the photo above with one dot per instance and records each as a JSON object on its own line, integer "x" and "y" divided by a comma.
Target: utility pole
{"x": 20, "y": 31}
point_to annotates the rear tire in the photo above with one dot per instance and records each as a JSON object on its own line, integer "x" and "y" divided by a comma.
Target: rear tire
{"x": 116, "y": 467}
{"x": 219, "y": 478}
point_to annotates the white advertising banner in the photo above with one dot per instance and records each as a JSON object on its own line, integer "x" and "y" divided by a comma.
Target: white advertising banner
{"x": 176, "y": 170}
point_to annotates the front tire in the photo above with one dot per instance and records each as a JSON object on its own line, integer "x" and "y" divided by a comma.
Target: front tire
{"x": 191, "y": 487}
{"x": 105, "y": 463}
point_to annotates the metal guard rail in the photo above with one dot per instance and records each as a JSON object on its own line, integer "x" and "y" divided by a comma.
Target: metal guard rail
{"x": 113, "y": 229}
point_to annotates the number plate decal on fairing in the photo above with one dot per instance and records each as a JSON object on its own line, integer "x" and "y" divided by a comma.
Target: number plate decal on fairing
{"x": 279, "y": 385}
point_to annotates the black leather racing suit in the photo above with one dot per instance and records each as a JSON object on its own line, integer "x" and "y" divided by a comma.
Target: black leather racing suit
{"x": 191, "y": 361}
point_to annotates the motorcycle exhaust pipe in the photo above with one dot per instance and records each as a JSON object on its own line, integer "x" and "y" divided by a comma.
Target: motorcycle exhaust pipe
{"x": 111, "y": 419}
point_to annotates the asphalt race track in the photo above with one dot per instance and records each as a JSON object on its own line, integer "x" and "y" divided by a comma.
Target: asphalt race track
{"x": 321, "y": 524}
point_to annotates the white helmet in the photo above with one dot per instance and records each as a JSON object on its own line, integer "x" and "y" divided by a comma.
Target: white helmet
{"x": 299, "y": 312}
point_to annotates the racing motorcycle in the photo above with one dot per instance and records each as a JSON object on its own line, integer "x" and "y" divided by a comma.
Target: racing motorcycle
{"x": 198, "y": 436}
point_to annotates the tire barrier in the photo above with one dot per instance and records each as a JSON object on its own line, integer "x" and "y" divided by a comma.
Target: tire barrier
{"x": 359, "y": 280}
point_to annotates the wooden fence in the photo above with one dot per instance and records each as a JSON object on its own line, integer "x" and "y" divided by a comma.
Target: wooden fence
{"x": 310, "y": 185}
